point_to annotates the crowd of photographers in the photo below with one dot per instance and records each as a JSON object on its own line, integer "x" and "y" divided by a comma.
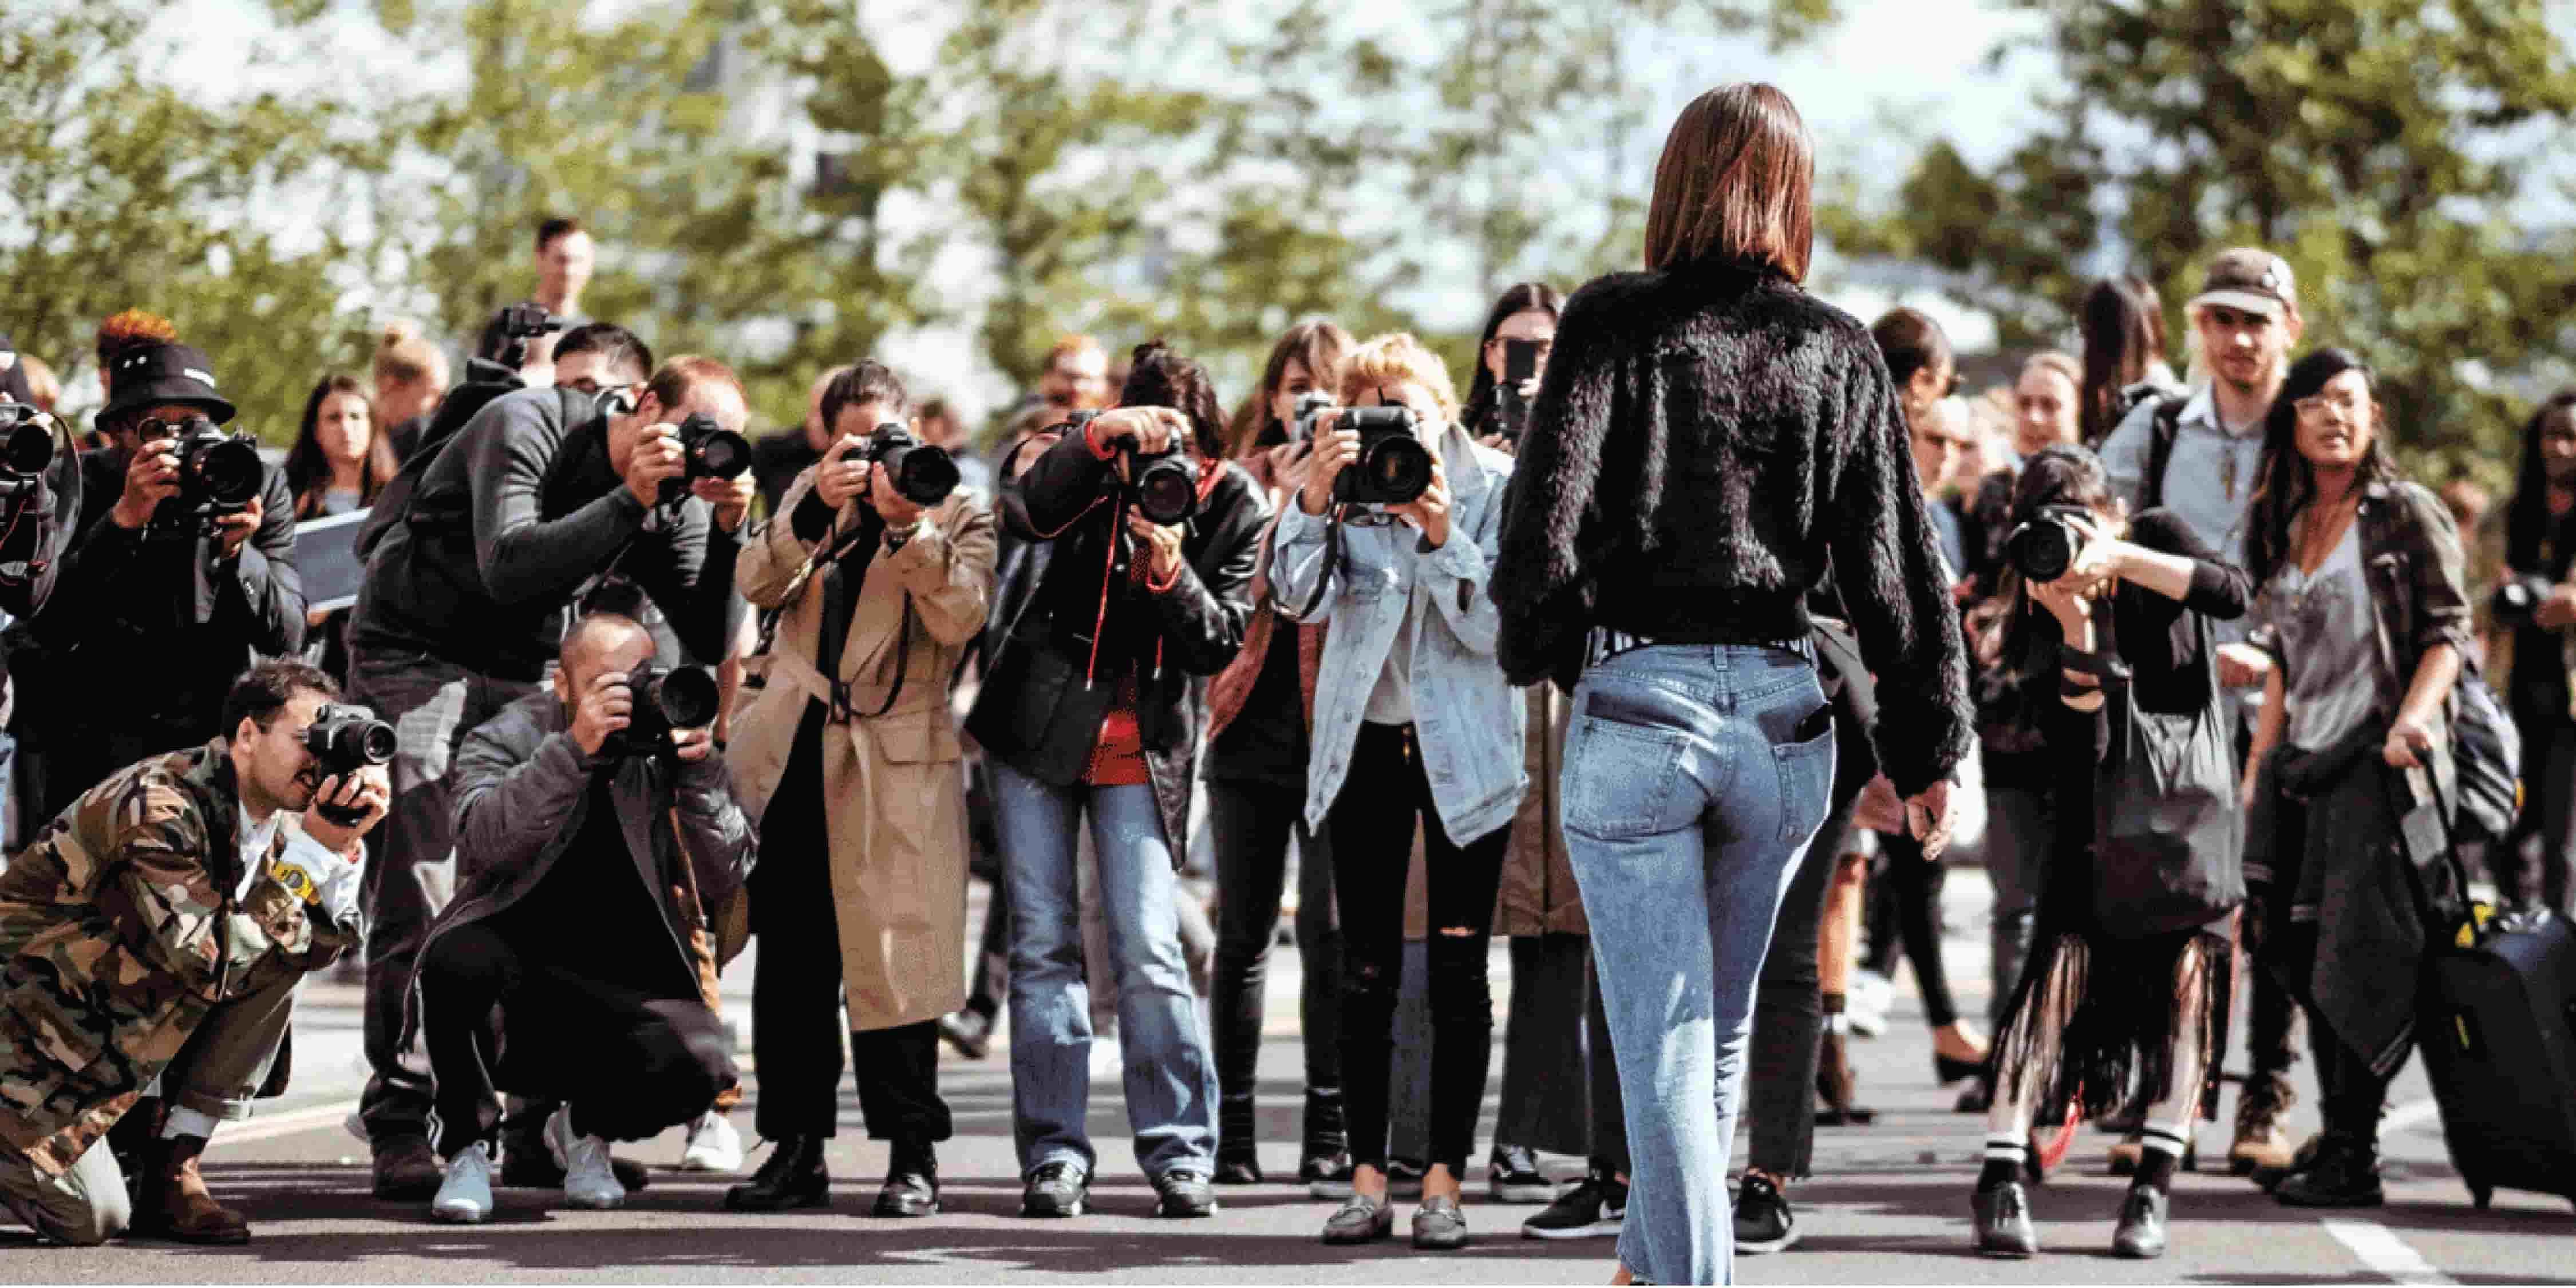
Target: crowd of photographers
{"x": 604, "y": 651}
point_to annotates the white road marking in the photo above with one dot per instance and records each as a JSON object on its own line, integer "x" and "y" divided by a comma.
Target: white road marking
{"x": 272, "y": 1126}
{"x": 2384, "y": 1254}
{"x": 2408, "y": 1117}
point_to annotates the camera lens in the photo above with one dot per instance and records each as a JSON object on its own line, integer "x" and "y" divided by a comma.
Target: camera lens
{"x": 28, "y": 450}
{"x": 723, "y": 454}
{"x": 2042, "y": 549}
{"x": 1398, "y": 469}
{"x": 1167, "y": 491}
{"x": 376, "y": 742}
{"x": 925, "y": 475}
{"x": 228, "y": 473}
{"x": 686, "y": 696}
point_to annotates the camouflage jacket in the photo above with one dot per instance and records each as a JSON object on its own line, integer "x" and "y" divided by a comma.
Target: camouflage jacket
{"x": 119, "y": 933}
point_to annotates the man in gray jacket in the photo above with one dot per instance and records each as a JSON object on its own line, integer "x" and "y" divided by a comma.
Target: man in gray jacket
{"x": 587, "y": 858}
{"x": 464, "y": 604}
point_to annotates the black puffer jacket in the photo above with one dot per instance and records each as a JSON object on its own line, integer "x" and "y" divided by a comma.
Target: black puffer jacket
{"x": 1041, "y": 714}
{"x": 1708, "y": 442}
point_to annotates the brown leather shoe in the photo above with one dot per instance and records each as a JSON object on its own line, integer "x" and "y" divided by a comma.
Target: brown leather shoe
{"x": 171, "y": 1201}
{"x": 405, "y": 1170}
{"x": 2262, "y": 1145}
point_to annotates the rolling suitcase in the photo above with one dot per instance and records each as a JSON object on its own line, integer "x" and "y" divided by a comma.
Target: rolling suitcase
{"x": 2498, "y": 1030}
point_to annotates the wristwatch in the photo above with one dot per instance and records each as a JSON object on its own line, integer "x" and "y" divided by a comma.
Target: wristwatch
{"x": 296, "y": 880}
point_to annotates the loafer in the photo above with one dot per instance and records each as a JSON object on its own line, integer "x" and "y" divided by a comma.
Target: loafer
{"x": 2141, "y": 1234}
{"x": 1360, "y": 1219}
{"x": 1055, "y": 1190}
{"x": 1438, "y": 1225}
{"x": 911, "y": 1185}
{"x": 2003, "y": 1222}
{"x": 1763, "y": 1221}
{"x": 1183, "y": 1193}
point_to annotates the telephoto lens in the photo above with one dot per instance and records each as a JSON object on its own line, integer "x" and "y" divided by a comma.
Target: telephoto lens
{"x": 1393, "y": 468}
{"x": 709, "y": 451}
{"x": 925, "y": 475}
{"x": 26, "y": 440}
{"x": 343, "y": 740}
{"x": 219, "y": 473}
{"x": 667, "y": 698}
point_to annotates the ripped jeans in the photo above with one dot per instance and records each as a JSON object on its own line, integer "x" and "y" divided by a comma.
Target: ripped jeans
{"x": 1372, "y": 827}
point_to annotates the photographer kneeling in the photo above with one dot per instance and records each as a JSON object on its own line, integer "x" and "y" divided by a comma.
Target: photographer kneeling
{"x": 1409, "y": 696}
{"x": 153, "y": 938}
{"x": 594, "y": 825}
{"x": 880, "y": 571}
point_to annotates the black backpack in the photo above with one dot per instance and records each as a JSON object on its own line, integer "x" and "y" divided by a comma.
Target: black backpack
{"x": 2160, "y": 440}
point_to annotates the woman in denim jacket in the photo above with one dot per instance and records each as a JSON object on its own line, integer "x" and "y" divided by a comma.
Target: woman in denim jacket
{"x": 2366, "y": 613}
{"x": 1414, "y": 718}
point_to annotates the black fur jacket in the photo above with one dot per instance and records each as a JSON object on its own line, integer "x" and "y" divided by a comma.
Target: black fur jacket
{"x": 1710, "y": 442}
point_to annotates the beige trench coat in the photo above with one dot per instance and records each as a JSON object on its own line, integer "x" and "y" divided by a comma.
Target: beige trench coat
{"x": 893, "y": 786}
{"x": 1537, "y": 895}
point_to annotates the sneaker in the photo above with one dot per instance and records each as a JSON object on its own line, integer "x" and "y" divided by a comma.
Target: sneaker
{"x": 1108, "y": 1059}
{"x": 2141, "y": 1233}
{"x": 714, "y": 1146}
{"x": 1594, "y": 1209}
{"x": 1183, "y": 1192}
{"x": 2003, "y": 1226}
{"x": 1763, "y": 1221}
{"x": 1516, "y": 1178}
{"x": 1056, "y": 1189}
{"x": 2344, "y": 1175}
{"x": 465, "y": 1196}
{"x": 1866, "y": 1001}
{"x": 589, "y": 1181}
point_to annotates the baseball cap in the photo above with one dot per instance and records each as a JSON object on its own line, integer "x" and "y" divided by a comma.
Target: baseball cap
{"x": 2249, "y": 278}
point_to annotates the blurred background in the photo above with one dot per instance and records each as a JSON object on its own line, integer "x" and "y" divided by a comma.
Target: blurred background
{"x": 788, "y": 184}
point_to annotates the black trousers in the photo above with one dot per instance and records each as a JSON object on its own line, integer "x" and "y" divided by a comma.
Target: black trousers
{"x": 1372, "y": 826}
{"x": 1789, "y": 1015}
{"x": 796, "y": 990}
{"x": 2350, "y": 1096}
{"x": 630, "y": 1061}
{"x": 1251, "y": 823}
{"x": 1913, "y": 890}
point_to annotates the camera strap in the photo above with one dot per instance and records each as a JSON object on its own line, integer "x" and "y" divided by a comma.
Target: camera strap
{"x": 1332, "y": 563}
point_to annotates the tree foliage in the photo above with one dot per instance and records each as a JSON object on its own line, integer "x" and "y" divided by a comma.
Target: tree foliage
{"x": 2384, "y": 147}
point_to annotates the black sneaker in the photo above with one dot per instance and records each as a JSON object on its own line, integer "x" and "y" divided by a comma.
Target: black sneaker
{"x": 1516, "y": 1178}
{"x": 1183, "y": 1192}
{"x": 2344, "y": 1175}
{"x": 1054, "y": 1190}
{"x": 1593, "y": 1209}
{"x": 1763, "y": 1221}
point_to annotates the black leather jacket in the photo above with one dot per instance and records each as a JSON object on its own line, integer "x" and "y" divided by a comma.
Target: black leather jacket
{"x": 1087, "y": 625}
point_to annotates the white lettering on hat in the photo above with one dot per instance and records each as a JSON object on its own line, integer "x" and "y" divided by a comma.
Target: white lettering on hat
{"x": 7, "y": 360}
{"x": 200, "y": 377}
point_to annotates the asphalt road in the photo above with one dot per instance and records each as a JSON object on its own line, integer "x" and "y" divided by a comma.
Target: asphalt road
{"x": 1888, "y": 1203}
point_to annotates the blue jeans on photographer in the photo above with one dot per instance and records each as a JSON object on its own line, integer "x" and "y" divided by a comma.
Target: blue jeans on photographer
{"x": 1695, "y": 777}
{"x": 1170, "y": 1075}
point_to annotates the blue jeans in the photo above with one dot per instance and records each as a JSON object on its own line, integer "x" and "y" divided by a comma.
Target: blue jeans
{"x": 1694, "y": 779}
{"x": 1171, "y": 1078}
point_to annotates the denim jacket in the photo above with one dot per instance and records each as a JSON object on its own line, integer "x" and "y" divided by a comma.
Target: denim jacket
{"x": 1467, "y": 716}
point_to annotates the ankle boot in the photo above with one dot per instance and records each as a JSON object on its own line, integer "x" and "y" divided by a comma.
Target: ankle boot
{"x": 1238, "y": 1140}
{"x": 791, "y": 1177}
{"x": 912, "y": 1181}
{"x": 1325, "y": 1158}
{"x": 2261, "y": 1143}
{"x": 2344, "y": 1175}
{"x": 171, "y": 1201}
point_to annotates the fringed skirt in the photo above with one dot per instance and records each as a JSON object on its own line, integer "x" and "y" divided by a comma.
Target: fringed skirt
{"x": 2096, "y": 1021}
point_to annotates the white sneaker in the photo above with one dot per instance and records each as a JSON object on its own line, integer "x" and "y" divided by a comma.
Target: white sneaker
{"x": 465, "y": 1197}
{"x": 714, "y": 1146}
{"x": 1866, "y": 1001}
{"x": 589, "y": 1182}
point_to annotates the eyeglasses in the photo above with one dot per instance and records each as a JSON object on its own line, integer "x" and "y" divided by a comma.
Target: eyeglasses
{"x": 2316, "y": 405}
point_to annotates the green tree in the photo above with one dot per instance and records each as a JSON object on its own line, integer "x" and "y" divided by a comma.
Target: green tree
{"x": 2385, "y": 147}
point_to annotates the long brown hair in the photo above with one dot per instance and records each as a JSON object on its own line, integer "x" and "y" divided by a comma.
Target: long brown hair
{"x": 1523, "y": 297}
{"x": 1736, "y": 184}
{"x": 1320, "y": 346}
{"x": 2123, "y": 324}
{"x": 308, "y": 471}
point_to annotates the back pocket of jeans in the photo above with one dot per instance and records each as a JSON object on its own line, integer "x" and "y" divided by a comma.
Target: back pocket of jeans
{"x": 1806, "y": 768}
{"x": 1623, "y": 777}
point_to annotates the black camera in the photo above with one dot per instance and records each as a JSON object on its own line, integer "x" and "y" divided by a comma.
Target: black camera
{"x": 219, "y": 473}
{"x": 925, "y": 475}
{"x": 344, "y": 740}
{"x": 1520, "y": 365}
{"x": 1164, "y": 487}
{"x": 1312, "y": 403}
{"x": 665, "y": 699}
{"x": 26, "y": 447}
{"x": 2044, "y": 546}
{"x": 2521, "y": 596}
{"x": 1393, "y": 467}
{"x": 709, "y": 451}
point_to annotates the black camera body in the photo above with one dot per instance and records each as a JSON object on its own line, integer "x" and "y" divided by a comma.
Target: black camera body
{"x": 26, "y": 448}
{"x": 925, "y": 475}
{"x": 709, "y": 451}
{"x": 665, "y": 699}
{"x": 1393, "y": 467}
{"x": 1520, "y": 364}
{"x": 343, "y": 740}
{"x": 2043, "y": 547}
{"x": 2520, "y": 596}
{"x": 219, "y": 473}
{"x": 518, "y": 324}
{"x": 1164, "y": 487}
{"x": 1310, "y": 404}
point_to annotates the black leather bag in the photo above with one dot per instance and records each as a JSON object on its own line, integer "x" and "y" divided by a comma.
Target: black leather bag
{"x": 2170, "y": 824}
